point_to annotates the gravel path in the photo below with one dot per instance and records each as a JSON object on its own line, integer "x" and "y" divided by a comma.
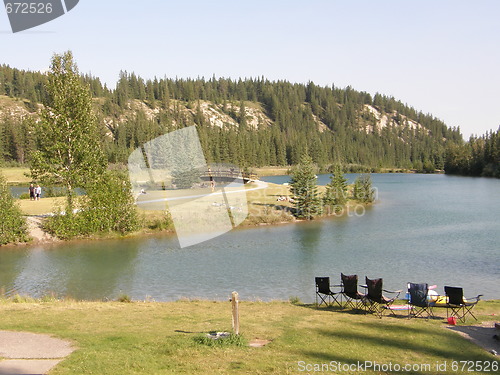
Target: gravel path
{"x": 36, "y": 231}
{"x": 481, "y": 334}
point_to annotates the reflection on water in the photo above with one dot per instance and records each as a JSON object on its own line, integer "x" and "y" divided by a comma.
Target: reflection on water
{"x": 437, "y": 229}
{"x": 82, "y": 271}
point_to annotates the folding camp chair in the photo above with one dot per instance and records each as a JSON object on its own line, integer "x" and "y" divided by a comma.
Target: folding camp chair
{"x": 419, "y": 300}
{"x": 459, "y": 306}
{"x": 324, "y": 292}
{"x": 353, "y": 298}
{"x": 375, "y": 301}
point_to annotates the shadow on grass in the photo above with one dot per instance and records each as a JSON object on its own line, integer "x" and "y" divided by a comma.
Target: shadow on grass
{"x": 187, "y": 332}
{"x": 334, "y": 308}
{"x": 398, "y": 314}
{"x": 482, "y": 336}
{"x": 430, "y": 343}
{"x": 274, "y": 206}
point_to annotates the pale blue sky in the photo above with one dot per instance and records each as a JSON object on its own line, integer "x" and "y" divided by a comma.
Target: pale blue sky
{"x": 441, "y": 57}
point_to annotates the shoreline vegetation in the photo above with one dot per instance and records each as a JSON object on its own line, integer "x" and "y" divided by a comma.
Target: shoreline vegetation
{"x": 352, "y": 168}
{"x": 264, "y": 208}
{"x": 172, "y": 336}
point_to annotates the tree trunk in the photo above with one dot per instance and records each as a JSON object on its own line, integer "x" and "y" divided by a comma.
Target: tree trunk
{"x": 69, "y": 200}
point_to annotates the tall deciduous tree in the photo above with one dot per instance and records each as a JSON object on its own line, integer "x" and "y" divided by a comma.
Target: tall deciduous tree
{"x": 304, "y": 189}
{"x": 69, "y": 150}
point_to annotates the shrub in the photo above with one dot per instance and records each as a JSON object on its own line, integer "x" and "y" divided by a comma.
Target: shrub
{"x": 109, "y": 206}
{"x": 124, "y": 298}
{"x": 273, "y": 216}
{"x": 294, "y": 300}
{"x": 62, "y": 225}
{"x": 159, "y": 222}
{"x": 17, "y": 298}
{"x": 51, "y": 192}
{"x": 13, "y": 227}
{"x": 220, "y": 341}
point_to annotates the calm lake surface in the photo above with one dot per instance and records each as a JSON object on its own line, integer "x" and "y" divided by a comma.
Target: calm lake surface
{"x": 424, "y": 228}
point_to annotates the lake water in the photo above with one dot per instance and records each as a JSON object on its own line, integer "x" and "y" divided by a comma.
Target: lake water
{"x": 17, "y": 191}
{"x": 437, "y": 229}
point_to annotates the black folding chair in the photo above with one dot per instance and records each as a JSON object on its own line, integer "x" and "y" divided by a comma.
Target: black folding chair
{"x": 419, "y": 300}
{"x": 353, "y": 298}
{"x": 459, "y": 306}
{"x": 324, "y": 292}
{"x": 375, "y": 301}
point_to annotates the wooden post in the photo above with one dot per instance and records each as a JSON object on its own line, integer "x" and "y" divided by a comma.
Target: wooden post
{"x": 236, "y": 313}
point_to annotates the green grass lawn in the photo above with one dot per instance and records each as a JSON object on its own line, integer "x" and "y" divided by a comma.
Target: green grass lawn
{"x": 43, "y": 206}
{"x": 16, "y": 175}
{"x": 159, "y": 338}
{"x": 271, "y": 171}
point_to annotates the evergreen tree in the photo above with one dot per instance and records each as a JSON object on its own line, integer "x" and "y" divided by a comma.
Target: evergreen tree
{"x": 336, "y": 192}
{"x": 186, "y": 179}
{"x": 305, "y": 190}
{"x": 363, "y": 190}
{"x": 242, "y": 116}
{"x": 480, "y": 156}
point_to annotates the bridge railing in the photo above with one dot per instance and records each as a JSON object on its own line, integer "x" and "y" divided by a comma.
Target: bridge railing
{"x": 230, "y": 174}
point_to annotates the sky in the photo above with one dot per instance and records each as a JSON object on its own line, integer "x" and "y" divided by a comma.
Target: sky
{"x": 440, "y": 57}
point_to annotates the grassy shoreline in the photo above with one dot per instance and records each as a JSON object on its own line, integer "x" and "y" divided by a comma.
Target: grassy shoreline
{"x": 16, "y": 175}
{"x": 263, "y": 209}
{"x": 161, "y": 338}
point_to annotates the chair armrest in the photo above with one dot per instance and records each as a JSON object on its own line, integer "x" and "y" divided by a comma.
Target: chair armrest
{"x": 476, "y": 298}
{"x": 363, "y": 286}
{"x": 392, "y": 291}
{"x": 396, "y": 292}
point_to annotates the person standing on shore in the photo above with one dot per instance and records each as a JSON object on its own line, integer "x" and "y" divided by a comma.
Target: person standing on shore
{"x": 31, "y": 190}
{"x": 212, "y": 181}
{"x": 38, "y": 192}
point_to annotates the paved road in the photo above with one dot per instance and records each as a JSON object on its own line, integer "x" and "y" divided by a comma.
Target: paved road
{"x": 260, "y": 185}
{"x": 30, "y": 353}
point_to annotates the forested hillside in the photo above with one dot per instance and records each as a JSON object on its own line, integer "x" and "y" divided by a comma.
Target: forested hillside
{"x": 478, "y": 157}
{"x": 251, "y": 122}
